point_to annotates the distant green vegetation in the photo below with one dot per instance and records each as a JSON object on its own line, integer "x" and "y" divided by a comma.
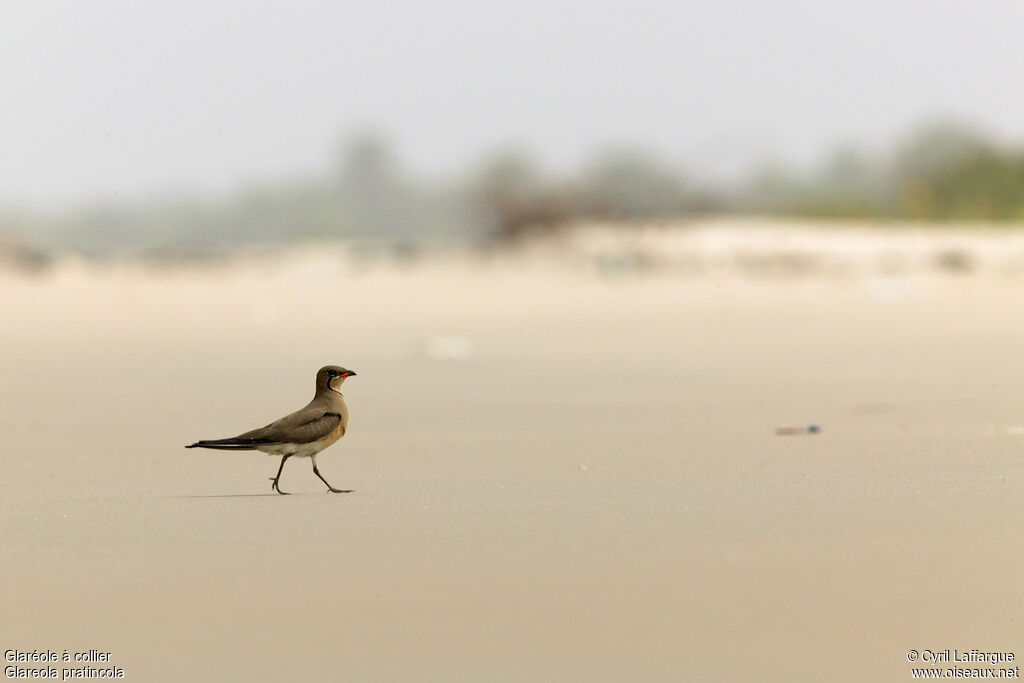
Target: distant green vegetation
{"x": 943, "y": 172}
{"x": 366, "y": 196}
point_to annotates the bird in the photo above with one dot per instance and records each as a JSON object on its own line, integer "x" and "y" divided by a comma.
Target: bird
{"x": 303, "y": 433}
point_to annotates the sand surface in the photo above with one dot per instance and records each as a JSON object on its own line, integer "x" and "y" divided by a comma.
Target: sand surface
{"x": 593, "y": 491}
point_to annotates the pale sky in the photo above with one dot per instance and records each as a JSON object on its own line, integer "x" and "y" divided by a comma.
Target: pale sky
{"x": 109, "y": 100}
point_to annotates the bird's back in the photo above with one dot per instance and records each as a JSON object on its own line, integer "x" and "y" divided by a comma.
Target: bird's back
{"x": 325, "y": 414}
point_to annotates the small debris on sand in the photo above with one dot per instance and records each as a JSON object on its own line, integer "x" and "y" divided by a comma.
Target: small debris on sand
{"x": 791, "y": 431}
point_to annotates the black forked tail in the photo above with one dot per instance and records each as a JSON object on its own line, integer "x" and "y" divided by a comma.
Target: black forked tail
{"x": 233, "y": 444}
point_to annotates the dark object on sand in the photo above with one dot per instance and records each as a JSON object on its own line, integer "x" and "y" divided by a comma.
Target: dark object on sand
{"x": 791, "y": 431}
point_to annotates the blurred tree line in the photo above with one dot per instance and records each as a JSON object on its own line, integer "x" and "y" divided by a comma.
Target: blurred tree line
{"x": 942, "y": 172}
{"x": 513, "y": 196}
{"x": 370, "y": 197}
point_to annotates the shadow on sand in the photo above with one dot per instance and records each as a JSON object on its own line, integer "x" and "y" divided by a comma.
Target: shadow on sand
{"x": 227, "y": 495}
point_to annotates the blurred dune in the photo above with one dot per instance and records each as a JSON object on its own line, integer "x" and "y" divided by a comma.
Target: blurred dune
{"x": 744, "y": 247}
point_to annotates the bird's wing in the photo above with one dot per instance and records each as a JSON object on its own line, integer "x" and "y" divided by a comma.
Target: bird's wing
{"x": 301, "y": 427}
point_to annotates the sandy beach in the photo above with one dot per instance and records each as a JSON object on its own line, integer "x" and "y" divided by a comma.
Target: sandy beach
{"x": 561, "y": 472}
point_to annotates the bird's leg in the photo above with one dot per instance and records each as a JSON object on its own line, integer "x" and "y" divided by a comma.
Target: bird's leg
{"x": 274, "y": 486}
{"x": 329, "y": 487}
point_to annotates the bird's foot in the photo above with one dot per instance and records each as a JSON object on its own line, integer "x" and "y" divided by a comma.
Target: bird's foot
{"x": 334, "y": 490}
{"x": 275, "y": 487}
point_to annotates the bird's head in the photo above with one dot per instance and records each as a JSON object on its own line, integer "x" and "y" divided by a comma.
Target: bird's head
{"x": 332, "y": 377}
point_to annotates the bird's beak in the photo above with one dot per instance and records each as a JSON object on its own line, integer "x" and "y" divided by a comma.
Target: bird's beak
{"x": 348, "y": 373}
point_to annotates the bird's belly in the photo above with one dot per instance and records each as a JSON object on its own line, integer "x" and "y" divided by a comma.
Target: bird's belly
{"x": 301, "y": 450}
